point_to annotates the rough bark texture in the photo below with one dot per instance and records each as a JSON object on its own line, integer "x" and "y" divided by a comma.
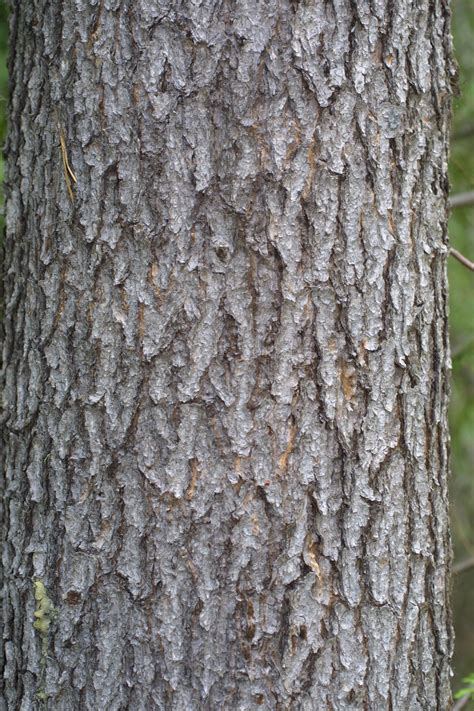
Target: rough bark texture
{"x": 226, "y": 355}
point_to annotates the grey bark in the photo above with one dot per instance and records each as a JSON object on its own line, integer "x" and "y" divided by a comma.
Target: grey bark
{"x": 226, "y": 356}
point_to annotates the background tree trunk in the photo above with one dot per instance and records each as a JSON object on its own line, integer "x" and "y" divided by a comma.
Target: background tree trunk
{"x": 226, "y": 356}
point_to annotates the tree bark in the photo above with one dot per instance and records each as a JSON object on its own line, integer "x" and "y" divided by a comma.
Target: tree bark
{"x": 226, "y": 356}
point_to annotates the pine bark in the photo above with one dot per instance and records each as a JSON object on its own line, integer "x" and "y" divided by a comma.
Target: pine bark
{"x": 226, "y": 357}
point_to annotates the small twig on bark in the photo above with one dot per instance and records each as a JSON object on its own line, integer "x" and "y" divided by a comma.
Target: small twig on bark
{"x": 461, "y": 258}
{"x": 462, "y": 199}
{"x": 463, "y": 565}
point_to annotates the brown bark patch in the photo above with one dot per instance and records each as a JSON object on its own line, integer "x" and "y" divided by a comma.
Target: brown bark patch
{"x": 283, "y": 460}
{"x": 194, "y": 477}
{"x": 348, "y": 380}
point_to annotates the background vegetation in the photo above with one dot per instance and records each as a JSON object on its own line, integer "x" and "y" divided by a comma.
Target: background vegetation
{"x": 462, "y": 324}
{"x": 462, "y": 343}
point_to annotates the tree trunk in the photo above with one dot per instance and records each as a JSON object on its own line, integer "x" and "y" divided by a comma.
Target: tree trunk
{"x": 226, "y": 356}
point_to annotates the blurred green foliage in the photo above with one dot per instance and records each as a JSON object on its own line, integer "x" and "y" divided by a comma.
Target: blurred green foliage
{"x": 461, "y": 320}
{"x": 467, "y": 690}
{"x": 461, "y": 281}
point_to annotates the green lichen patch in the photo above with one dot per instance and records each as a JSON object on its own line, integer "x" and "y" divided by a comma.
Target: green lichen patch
{"x": 44, "y": 614}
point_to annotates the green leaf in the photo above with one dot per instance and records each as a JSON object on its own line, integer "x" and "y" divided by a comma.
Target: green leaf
{"x": 464, "y": 692}
{"x": 467, "y": 691}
